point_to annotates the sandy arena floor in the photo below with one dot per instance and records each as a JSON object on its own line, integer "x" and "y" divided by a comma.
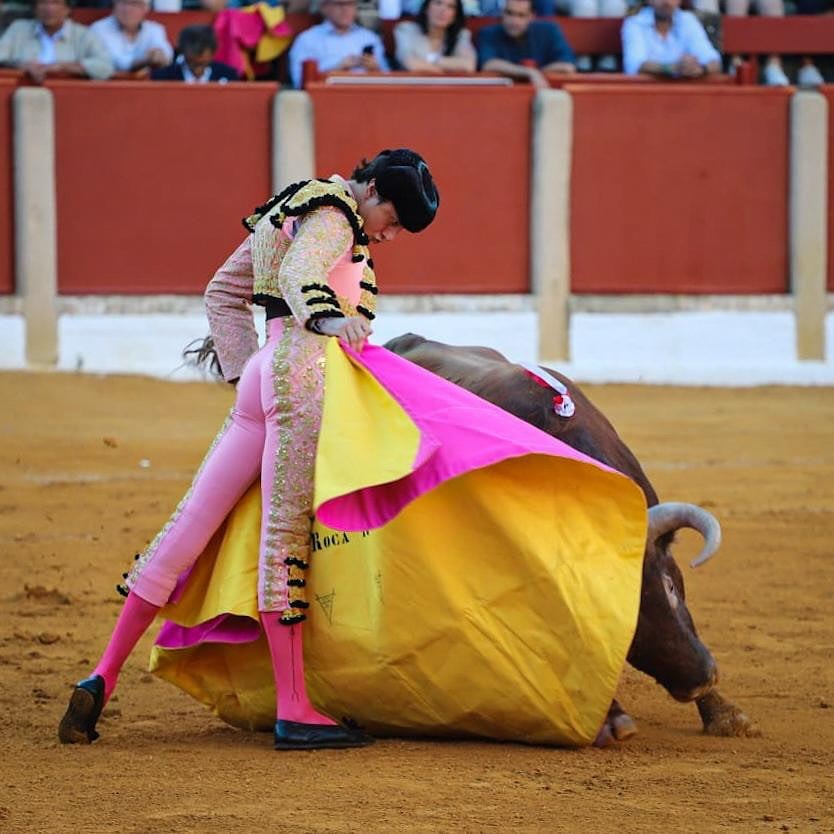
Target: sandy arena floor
{"x": 89, "y": 469}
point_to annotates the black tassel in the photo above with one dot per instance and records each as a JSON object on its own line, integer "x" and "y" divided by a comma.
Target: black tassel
{"x": 321, "y": 299}
{"x": 323, "y": 288}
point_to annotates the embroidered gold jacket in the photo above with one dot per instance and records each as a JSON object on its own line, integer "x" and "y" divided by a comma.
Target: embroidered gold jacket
{"x": 270, "y": 263}
{"x": 299, "y": 277}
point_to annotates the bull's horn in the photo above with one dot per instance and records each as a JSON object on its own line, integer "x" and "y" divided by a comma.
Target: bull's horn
{"x": 665, "y": 518}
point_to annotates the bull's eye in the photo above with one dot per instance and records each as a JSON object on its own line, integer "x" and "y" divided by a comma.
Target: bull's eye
{"x": 671, "y": 592}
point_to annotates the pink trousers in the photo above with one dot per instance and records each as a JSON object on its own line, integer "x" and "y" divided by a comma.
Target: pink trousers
{"x": 271, "y": 432}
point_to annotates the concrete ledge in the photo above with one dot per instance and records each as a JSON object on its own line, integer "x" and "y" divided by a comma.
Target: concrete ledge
{"x": 36, "y": 262}
{"x": 685, "y": 303}
{"x": 550, "y": 218}
{"x": 293, "y": 141}
{"x": 808, "y": 243}
{"x": 130, "y": 305}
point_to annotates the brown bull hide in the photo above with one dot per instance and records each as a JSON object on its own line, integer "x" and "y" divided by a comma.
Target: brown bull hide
{"x": 665, "y": 645}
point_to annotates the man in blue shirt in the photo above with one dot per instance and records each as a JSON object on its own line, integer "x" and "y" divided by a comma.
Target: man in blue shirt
{"x": 662, "y": 40}
{"x": 518, "y": 38}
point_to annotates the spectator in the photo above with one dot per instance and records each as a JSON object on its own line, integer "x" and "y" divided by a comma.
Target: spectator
{"x": 133, "y": 42}
{"x": 52, "y": 44}
{"x": 509, "y": 46}
{"x": 663, "y": 41}
{"x": 195, "y": 63}
{"x": 338, "y": 43}
{"x": 438, "y": 40}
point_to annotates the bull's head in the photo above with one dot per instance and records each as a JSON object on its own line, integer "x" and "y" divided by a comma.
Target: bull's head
{"x": 666, "y": 644}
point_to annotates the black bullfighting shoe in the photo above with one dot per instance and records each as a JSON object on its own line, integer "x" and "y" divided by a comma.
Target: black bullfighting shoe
{"x": 293, "y": 735}
{"x": 78, "y": 726}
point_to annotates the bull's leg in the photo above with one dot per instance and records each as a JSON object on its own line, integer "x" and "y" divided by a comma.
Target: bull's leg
{"x": 721, "y": 718}
{"x": 618, "y": 726}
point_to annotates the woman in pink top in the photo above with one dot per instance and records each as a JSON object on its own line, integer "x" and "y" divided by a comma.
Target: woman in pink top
{"x": 306, "y": 261}
{"x": 437, "y": 41}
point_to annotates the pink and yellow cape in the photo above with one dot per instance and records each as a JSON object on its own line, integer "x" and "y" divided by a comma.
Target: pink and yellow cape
{"x": 471, "y": 575}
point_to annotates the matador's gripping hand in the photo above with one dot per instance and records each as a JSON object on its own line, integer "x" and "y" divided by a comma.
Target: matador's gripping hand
{"x": 351, "y": 330}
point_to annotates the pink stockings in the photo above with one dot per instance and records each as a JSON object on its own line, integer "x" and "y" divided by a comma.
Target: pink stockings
{"x": 285, "y": 647}
{"x": 134, "y": 620}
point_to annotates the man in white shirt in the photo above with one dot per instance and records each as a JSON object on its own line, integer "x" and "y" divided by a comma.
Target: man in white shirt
{"x": 133, "y": 42}
{"x": 663, "y": 41}
{"x": 337, "y": 44}
{"x": 52, "y": 44}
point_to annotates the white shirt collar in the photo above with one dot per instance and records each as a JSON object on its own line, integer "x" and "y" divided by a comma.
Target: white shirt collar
{"x": 189, "y": 76}
{"x": 330, "y": 29}
{"x": 59, "y": 35}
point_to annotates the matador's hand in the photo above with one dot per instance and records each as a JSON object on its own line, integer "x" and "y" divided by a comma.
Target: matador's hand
{"x": 351, "y": 330}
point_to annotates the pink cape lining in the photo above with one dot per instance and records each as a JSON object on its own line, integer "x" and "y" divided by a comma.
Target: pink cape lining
{"x": 459, "y": 433}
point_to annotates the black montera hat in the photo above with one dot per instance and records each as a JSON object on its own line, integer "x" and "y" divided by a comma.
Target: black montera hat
{"x": 403, "y": 177}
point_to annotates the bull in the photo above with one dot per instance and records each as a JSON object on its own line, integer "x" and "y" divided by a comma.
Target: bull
{"x": 666, "y": 645}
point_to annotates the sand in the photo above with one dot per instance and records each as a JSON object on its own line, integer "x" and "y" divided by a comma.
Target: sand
{"x": 90, "y": 467}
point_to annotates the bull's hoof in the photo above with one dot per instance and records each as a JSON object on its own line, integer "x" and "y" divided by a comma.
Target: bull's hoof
{"x": 731, "y": 722}
{"x": 623, "y": 727}
{"x": 721, "y": 718}
{"x": 618, "y": 726}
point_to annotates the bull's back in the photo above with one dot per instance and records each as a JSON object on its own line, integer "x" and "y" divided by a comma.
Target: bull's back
{"x": 491, "y": 376}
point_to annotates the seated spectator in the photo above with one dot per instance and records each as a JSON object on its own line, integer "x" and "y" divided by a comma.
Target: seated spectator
{"x": 664, "y": 41}
{"x": 133, "y": 42}
{"x": 522, "y": 48}
{"x": 437, "y": 41}
{"x": 52, "y": 44}
{"x": 195, "y": 63}
{"x": 338, "y": 43}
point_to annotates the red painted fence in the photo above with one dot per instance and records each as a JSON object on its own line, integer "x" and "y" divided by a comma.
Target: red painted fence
{"x": 680, "y": 190}
{"x": 674, "y": 190}
{"x": 477, "y": 143}
{"x": 152, "y": 181}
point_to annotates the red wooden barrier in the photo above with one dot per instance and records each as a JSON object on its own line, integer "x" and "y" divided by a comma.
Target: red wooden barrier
{"x": 152, "y": 181}
{"x": 679, "y": 190}
{"x": 792, "y": 35}
{"x": 7, "y": 88}
{"x": 477, "y": 143}
{"x": 828, "y": 92}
